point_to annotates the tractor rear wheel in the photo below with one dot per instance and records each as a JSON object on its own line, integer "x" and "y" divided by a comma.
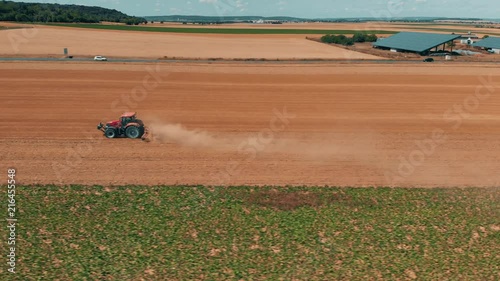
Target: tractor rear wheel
{"x": 132, "y": 132}
{"x": 110, "y": 133}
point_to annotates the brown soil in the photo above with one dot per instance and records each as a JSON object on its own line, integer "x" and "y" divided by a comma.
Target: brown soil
{"x": 50, "y": 41}
{"x": 353, "y": 125}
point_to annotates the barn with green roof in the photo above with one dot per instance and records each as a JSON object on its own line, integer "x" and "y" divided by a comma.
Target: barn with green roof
{"x": 491, "y": 44}
{"x": 415, "y": 42}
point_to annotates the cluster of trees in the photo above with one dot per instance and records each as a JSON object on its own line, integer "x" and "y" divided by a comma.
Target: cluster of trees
{"x": 349, "y": 41}
{"x": 39, "y": 12}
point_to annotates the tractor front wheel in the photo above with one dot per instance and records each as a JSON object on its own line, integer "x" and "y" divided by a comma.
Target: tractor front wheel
{"x": 110, "y": 133}
{"x": 132, "y": 132}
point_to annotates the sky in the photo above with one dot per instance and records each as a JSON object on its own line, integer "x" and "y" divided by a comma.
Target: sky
{"x": 382, "y": 9}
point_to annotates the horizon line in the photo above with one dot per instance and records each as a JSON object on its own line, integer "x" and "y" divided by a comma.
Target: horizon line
{"x": 323, "y": 18}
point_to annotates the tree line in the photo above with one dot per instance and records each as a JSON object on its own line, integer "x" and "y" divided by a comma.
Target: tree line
{"x": 349, "y": 41}
{"x": 40, "y": 12}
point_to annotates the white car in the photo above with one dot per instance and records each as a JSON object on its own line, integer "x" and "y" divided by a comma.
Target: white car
{"x": 100, "y": 58}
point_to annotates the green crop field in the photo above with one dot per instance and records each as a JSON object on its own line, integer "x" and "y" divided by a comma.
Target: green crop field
{"x": 245, "y": 233}
{"x": 221, "y": 30}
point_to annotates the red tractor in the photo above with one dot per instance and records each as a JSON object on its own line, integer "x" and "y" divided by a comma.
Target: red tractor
{"x": 128, "y": 126}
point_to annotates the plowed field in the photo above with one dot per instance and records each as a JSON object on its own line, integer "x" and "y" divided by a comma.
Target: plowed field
{"x": 256, "y": 124}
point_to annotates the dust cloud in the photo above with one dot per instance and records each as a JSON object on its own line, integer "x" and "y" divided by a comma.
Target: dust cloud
{"x": 359, "y": 147}
{"x": 178, "y": 134}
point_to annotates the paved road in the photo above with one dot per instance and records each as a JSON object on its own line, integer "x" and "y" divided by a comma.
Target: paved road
{"x": 76, "y": 59}
{"x": 130, "y": 60}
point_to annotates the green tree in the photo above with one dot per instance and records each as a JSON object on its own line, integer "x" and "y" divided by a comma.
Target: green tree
{"x": 359, "y": 37}
{"x": 338, "y": 39}
{"x": 371, "y": 38}
{"x": 327, "y": 39}
{"x": 36, "y": 12}
{"x": 348, "y": 42}
{"x": 22, "y": 18}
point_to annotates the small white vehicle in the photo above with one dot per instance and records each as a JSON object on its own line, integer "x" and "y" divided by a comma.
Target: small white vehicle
{"x": 100, "y": 58}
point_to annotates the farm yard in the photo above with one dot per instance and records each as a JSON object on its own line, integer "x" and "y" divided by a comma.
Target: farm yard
{"x": 354, "y": 167}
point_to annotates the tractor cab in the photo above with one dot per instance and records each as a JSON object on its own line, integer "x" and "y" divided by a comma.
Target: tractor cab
{"x": 127, "y": 117}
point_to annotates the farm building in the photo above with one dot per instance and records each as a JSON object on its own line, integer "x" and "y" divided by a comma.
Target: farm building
{"x": 415, "y": 42}
{"x": 468, "y": 38}
{"x": 468, "y": 41}
{"x": 491, "y": 44}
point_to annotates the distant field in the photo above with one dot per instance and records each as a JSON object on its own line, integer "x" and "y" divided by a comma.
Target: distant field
{"x": 453, "y": 30}
{"x": 201, "y": 233}
{"x": 85, "y": 42}
{"x": 441, "y": 29}
{"x": 220, "y": 30}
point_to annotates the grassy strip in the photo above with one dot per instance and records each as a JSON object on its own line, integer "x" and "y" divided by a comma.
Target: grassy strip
{"x": 200, "y": 233}
{"x": 221, "y": 30}
{"x": 10, "y": 27}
